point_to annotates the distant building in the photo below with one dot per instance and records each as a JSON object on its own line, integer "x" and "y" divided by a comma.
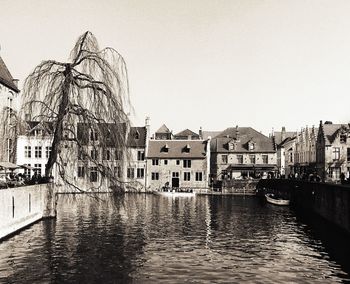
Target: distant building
{"x": 34, "y": 147}
{"x": 178, "y": 163}
{"x": 305, "y": 152}
{"x": 8, "y": 107}
{"x": 163, "y": 133}
{"x": 285, "y": 142}
{"x": 186, "y": 135}
{"x": 241, "y": 152}
{"x": 333, "y": 151}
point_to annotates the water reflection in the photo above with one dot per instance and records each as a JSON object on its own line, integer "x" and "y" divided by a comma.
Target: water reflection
{"x": 152, "y": 239}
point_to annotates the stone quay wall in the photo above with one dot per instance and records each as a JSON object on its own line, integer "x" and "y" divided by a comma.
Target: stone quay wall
{"x": 330, "y": 201}
{"x": 22, "y": 206}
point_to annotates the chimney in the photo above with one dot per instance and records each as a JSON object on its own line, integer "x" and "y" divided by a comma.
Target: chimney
{"x": 283, "y": 134}
{"x": 200, "y": 133}
{"x": 15, "y": 82}
{"x": 237, "y": 133}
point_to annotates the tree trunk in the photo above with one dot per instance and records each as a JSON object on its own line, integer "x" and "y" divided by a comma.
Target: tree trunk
{"x": 58, "y": 129}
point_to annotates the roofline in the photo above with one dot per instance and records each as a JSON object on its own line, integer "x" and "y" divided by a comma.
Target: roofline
{"x": 8, "y": 85}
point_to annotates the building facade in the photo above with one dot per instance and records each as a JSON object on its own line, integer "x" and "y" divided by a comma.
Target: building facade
{"x": 242, "y": 152}
{"x": 178, "y": 164}
{"x": 9, "y": 94}
{"x": 333, "y": 151}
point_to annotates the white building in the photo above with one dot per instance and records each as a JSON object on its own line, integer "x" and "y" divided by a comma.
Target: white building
{"x": 34, "y": 148}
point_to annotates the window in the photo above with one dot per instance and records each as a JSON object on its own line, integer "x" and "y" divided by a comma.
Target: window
{"x": 187, "y": 176}
{"x": 106, "y": 155}
{"x": 37, "y": 152}
{"x": 252, "y": 159}
{"x": 37, "y": 169}
{"x": 290, "y": 157}
{"x": 199, "y": 176}
{"x": 140, "y": 173}
{"x": 348, "y": 154}
{"x": 187, "y": 163}
{"x": 165, "y": 162}
{"x": 27, "y": 151}
{"x": 81, "y": 154}
{"x": 224, "y": 159}
{"x": 155, "y": 176}
{"x": 265, "y": 158}
{"x": 342, "y": 138}
{"x": 175, "y": 174}
{"x": 239, "y": 159}
{"x": 48, "y": 151}
{"x": 187, "y": 148}
{"x": 177, "y": 162}
{"x": 155, "y": 162}
{"x": 118, "y": 155}
{"x": 27, "y": 172}
{"x": 251, "y": 146}
{"x": 93, "y": 174}
{"x": 81, "y": 171}
{"x": 93, "y": 135}
{"x": 165, "y": 148}
{"x": 131, "y": 173}
{"x": 140, "y": 155}
{"x": 118, "y": 172}
{"x": 94, "y": 154}
{"x": 231, "y": 146}
{"x": 335, "y": 173}
{"x": 336, "y": 153}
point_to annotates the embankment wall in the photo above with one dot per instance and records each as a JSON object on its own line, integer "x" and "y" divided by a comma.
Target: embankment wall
{"x": 22, "y": 206}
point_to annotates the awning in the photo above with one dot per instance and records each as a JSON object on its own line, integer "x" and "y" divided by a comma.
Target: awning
{"x": 8, "y": 166}
{"x": 252, "y": 167}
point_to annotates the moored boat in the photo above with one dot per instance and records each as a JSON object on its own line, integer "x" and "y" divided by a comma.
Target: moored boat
{"x": 271, "y": 198}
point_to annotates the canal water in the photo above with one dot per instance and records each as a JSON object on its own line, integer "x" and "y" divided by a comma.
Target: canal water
{"x": 139, "y": 238}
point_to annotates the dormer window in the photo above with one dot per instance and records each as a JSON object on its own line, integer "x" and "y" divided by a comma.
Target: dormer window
{"x": 187, "y": 148}
{"x": 251, "y": 145}
{"x": 231, "y": 146}
{"x": 165, "y": 148}
{"x": 137, "y": 135}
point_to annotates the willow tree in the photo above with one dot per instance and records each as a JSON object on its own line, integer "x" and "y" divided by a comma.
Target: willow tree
{"x": 91, "y": 91}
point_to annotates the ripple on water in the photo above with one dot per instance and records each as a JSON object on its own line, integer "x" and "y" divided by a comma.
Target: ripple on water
{"x": 150, "y": 239}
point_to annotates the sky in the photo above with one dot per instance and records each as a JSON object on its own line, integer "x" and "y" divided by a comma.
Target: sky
{"x": 202, "y": 63}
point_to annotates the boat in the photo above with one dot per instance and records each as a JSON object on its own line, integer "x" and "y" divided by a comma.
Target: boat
{"x": 273, "y": 199}
{"x": 175, "y": 192}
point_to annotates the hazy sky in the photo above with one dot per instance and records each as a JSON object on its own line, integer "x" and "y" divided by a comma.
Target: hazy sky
{"x": 204, "y": 63}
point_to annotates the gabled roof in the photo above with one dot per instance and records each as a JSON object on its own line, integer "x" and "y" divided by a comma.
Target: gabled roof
{"x": 176, "y": 149}
{"x": 137, "y": 137}
{"x": 6, "y": 77}
{"x": 245, "y": 134}
{"x": 330, "y": 131}
{"x": 278, "y": 135}
{"x": 186, "y": 133}
{"x": 163, "y": 129}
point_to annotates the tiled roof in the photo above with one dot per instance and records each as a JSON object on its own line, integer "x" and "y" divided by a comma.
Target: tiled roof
{"x": 6, "y": 77}
{"x": 176, "y": 149}
{"x": 262, "y": 142}
{"x": 330, "y": 131}
{"x": 163, "y": 129}
{"x": 186, "y": 133}
{"x": 137, "y": 137}
{"x": 278, "y": 135}
{"x": 212, "y": 134}
{"x": 83, "y": 133}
